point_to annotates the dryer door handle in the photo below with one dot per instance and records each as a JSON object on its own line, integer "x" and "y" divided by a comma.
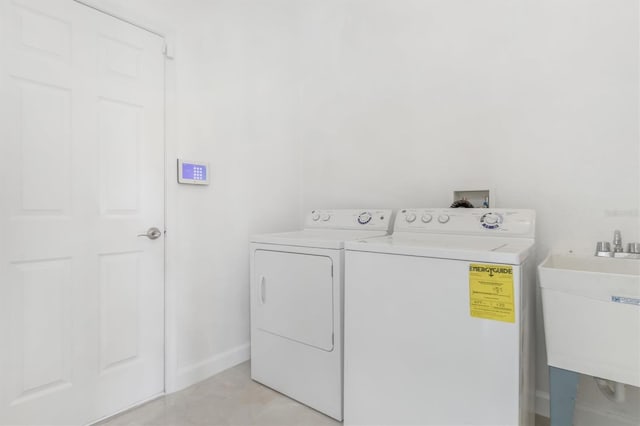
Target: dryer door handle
{"x": 263, "y": 290}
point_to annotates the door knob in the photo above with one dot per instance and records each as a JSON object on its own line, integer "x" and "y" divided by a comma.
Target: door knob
{"x": 152, "y": 233}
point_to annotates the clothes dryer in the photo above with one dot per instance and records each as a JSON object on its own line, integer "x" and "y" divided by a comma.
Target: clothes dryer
{"x": 297, "y": 305}
{"x": 439, "y": 320}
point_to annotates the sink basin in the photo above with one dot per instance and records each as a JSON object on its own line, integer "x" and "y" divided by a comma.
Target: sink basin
{"x": 591, "y": 308}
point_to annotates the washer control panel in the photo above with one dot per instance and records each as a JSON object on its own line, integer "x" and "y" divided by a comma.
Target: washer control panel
{"x": 366, "y": 219}
{"x": 504, "y": 222}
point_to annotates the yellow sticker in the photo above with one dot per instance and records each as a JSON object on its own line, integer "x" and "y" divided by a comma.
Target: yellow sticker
{"x": 491, "y": 292}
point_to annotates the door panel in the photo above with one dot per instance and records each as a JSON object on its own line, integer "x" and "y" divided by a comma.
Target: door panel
{"x": 45, "y": 161}
{"x": 41, "y": 327}
{"x": 119, "y": 287}
{"x": 119, "y": 140}
{"x": 81, "y": 175}
{"x": 295, "y": 296}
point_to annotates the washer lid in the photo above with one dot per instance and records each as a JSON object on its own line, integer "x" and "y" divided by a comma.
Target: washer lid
{"x": 316, "y": 238}
{"x": 511, "y": 251}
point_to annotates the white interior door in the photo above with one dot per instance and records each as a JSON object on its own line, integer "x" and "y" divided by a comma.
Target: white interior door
{"x": 81, "y": 175}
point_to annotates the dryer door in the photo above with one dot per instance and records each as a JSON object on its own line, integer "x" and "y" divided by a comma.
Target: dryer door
{"x": 295, "y": 296}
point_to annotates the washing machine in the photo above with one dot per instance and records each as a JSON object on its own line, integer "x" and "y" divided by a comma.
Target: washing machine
{"x": 439, "y": 320}
{"x": 297, "y": 305}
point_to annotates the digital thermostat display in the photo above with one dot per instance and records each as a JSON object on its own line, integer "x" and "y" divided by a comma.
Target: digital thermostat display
{"x": 193, "y": 172}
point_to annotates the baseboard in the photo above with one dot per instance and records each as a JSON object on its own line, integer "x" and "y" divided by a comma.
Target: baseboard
{"x": 542, "y": 403}
{"x": 585, "y": 415}
{"x": 187, "y": 376}
{"x": 130, "y": 407}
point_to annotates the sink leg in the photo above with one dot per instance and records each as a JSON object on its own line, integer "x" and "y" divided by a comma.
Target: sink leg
{"x": 564, "y": 385}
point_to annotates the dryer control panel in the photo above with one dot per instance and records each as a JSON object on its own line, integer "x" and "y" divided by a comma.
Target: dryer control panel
{"x": 503, "y": 222}
{"x": 365, "y": 219}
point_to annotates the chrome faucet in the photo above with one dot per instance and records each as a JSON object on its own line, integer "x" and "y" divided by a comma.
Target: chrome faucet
{"x": 603, "y": 248}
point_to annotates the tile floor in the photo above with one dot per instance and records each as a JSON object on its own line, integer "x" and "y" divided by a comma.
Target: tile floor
{"x": 230, "y": 398}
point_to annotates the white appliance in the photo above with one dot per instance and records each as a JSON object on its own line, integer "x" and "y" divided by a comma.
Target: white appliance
{"x": 296, "y": 305}
{"x": 439, "y": 320}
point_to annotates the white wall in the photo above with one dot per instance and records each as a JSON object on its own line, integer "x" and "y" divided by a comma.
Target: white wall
{"x": 403, "y": 101}
{"x": 236, "y": 109}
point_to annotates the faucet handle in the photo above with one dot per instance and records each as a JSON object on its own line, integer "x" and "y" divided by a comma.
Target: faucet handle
{"x": 617, "y": 241}
{"x": 617, "y": 237}
{"x": 633, "y": 248}
{"x": 603, "y": 249}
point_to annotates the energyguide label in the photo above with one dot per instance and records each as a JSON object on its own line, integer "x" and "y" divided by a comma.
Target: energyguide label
{"x": 491, "y": 292}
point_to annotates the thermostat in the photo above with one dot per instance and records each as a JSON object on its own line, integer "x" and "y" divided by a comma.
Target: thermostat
{"x": 192, "y": 172}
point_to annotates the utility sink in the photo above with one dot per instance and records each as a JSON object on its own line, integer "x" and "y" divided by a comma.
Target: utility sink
{"x": 591, "y": 309}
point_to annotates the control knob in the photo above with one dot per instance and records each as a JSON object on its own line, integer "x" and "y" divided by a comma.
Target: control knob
{"x": 443, "y": 218}
{"x": 325, "y": 217}
{"x": 426, "y": 218}
{"x": 491, "y": 220}
{"x": 315, "y": 216}
{"x": 364, "y": 218}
